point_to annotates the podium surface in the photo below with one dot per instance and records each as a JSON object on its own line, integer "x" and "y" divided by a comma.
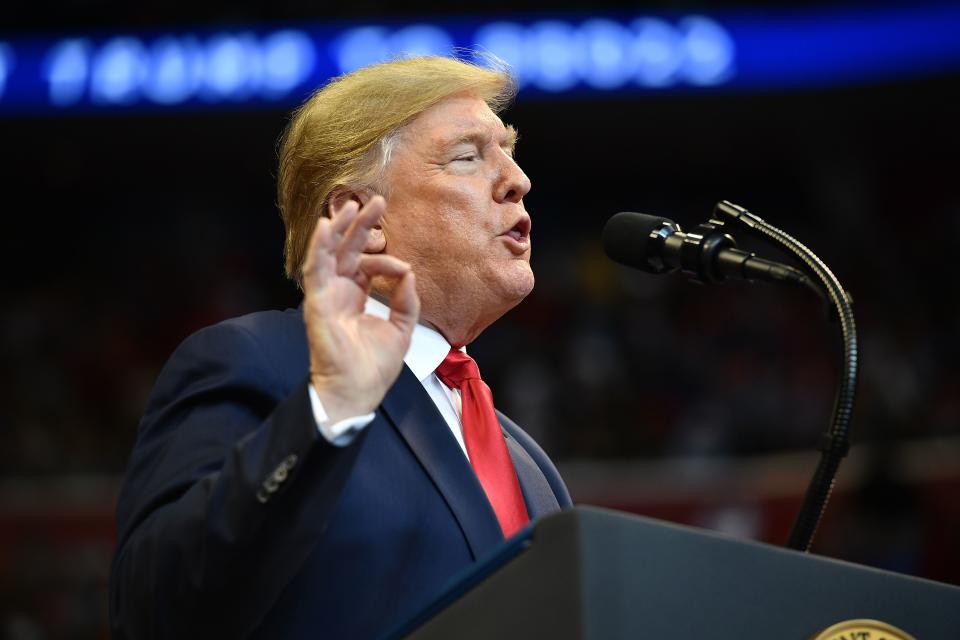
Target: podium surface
{"x": 597, "y": 574}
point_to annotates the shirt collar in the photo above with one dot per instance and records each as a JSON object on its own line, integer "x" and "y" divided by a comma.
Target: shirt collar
{"x": 427, "y": 347}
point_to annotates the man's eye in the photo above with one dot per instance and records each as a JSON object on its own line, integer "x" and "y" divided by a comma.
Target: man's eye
{"x": 468, "y": 157}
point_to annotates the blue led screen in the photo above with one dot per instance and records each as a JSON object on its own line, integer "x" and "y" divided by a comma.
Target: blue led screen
{"x": 550, "y": 55}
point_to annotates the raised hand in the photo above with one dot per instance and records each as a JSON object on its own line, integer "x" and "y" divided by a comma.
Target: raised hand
{"x": 354, "y": 357}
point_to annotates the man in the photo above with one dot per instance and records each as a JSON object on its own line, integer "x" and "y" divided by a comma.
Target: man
{"x": 326, "y": 473}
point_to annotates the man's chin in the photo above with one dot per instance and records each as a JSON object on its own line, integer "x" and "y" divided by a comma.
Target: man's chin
{"x": 518, "y": 284}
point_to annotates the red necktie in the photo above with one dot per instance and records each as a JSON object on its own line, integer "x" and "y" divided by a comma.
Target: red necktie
{"x": 485, "y": 444}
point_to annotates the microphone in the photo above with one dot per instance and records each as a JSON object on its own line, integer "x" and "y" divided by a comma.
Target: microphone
{"x": 658, "y": 245}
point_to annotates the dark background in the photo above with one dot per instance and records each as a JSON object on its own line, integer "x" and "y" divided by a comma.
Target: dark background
{"x": 124, "y": 234}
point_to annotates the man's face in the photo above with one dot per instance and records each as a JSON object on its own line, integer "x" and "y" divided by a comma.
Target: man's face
{"x": 455, "y": 212}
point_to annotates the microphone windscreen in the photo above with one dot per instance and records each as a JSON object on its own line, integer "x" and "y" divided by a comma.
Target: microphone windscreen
{"x": 626, "y": 239}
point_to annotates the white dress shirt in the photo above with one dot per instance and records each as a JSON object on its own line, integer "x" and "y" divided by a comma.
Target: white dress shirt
{"x": 427, "y": 350}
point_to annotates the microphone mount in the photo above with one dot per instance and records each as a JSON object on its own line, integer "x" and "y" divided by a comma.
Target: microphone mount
{"x": 706, "y": 254}
{"x": 709, "y": 255}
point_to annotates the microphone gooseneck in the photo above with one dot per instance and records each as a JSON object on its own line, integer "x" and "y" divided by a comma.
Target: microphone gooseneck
{"x": 835, "y": 442}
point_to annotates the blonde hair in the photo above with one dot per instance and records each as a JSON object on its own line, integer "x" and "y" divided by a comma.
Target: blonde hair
{"x": 342, "y": 136}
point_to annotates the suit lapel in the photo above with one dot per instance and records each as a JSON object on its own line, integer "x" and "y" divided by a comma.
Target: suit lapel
{"x": 537, "y": 493}
{"x": 415, "y": 416}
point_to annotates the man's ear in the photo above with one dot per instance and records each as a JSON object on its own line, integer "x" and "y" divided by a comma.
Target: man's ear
{"x": 377, "y": 242}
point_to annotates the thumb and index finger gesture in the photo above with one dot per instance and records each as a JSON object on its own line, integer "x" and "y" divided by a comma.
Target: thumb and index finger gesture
{"x": 354, "y": 357}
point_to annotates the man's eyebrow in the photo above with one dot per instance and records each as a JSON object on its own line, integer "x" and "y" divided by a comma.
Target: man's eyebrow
{"x": 509, "y": 140}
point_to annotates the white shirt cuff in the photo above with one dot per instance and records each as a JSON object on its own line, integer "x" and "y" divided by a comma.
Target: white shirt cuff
{"x": 339, "y": 433}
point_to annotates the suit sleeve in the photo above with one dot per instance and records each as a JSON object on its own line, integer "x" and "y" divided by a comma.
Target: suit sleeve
{"x": 228, "y": 488}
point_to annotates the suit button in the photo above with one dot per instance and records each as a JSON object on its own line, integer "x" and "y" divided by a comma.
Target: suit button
{"x": 278, "y": 477}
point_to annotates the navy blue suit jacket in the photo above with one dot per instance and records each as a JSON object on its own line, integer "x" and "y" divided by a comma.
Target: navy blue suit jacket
{"x": 237, "y": 519}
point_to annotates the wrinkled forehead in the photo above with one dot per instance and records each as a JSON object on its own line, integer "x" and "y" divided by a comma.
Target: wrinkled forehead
{"x": 456, "y": 117}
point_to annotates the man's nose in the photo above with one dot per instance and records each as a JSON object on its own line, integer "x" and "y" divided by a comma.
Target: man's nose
{"x": 513, "y": 183}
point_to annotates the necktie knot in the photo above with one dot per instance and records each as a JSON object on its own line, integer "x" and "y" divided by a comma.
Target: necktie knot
{"x": 456, "y": 368}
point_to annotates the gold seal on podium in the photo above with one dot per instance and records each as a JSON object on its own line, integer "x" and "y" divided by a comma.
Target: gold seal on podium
{"x": 862, "y": 629}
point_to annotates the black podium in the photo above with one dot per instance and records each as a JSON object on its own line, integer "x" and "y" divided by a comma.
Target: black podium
{"x": 599, "y": 574}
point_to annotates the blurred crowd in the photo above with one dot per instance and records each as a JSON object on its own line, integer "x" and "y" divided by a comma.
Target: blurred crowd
{"x": 600, "y": 363}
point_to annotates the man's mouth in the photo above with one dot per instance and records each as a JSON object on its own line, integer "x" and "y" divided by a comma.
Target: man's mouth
{"x": 520, "y": 232}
